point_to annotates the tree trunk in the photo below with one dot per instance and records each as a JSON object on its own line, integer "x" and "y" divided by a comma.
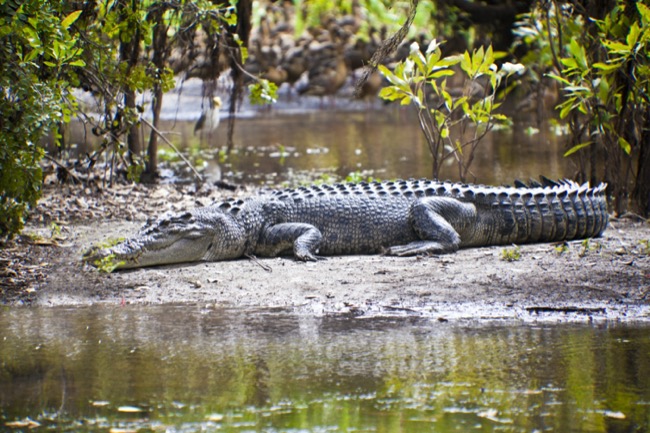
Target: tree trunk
{"x": 130, "y": 53}
{"x": 641, "y": 192}
{"x": 159, "y": 59}
{"x": 151, "y": 167}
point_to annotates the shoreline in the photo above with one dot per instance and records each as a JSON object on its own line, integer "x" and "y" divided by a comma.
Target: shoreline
{"x": 607, "y": 278}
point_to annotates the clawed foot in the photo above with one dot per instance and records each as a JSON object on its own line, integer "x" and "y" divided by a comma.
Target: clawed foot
{"x": 420, "y": 248}
{"x": 308, "y": 257}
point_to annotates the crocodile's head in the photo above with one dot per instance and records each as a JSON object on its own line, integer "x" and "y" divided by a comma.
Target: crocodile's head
{"x": 185, "y": 237}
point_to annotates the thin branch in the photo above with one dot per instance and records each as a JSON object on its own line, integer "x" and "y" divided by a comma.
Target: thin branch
{"x": 160, "y": 134}
{"x": 387, "y": 48}
{"x": 67, "y": 170}
{"x": 556, "y": 61}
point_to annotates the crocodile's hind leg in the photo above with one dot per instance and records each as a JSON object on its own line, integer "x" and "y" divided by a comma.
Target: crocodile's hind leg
{"x": 304, "y": 239}
{"x": 431, "y": 219}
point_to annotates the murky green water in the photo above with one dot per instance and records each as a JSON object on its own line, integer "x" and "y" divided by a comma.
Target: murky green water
{"x": 383, "y": 143}
{"x": 192, "y": 369}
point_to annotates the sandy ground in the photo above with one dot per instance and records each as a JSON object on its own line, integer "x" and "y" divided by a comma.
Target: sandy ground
{"x": 605, "y": 278}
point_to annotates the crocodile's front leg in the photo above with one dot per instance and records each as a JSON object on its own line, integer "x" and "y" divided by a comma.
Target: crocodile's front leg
{"x": 303, "y": 238}
{"x": 435, "y": 221}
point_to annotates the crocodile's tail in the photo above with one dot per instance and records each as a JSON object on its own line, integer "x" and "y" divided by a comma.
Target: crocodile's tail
{"x": 548, "y": 212}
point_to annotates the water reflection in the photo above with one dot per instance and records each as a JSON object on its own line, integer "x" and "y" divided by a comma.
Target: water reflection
{"x": 188, "y": 369}
{"x": 384, "y": 143}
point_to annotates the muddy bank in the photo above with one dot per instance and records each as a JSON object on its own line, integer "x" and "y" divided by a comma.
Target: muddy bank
{"x": 606, "y": 278}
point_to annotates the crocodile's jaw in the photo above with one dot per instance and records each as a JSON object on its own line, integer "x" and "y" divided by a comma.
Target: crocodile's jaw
{"x": 178, "y": 238}
{"x": 202, "y": 234}
{"x": 141, "y": 252}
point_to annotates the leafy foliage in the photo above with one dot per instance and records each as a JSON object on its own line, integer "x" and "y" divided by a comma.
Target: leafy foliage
{"x": 263, "y": 92}
{"x": 38, "y": 57}
{"x": 445, "y": 116}
{"x": 132, "y": 43}
{"x": 601, "y": 65}
{"x": 379, "y": 14}
{"x": 114, "y": 50}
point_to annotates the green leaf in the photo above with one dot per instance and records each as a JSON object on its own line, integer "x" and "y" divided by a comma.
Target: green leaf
{"x": 390, "y": 93}
{"x": 263, "y": 92}
{"x": 449, "y": 103}
{"x": 432, "y": 60}
{"x": 392, "y": 77}
{"x": 567, "y": 107}
{"x": 451, "y": 60}
{"x": 559, "y": 78}
{"x": 569, "y": 62}
{"x": 607, "y": 67}
{"x": 625, "y": 145}
{"x": 78, "y": 62}
{"x": 478, "y": 57}
{"x": 420, "y": 98}
{"x": 616, "y": 47}
{"x": 576, "y": 148}
{"x": 466, "y": 63}
{"x": 644, "y": 11}
{"x": 460, "y": 101}
{"x": 633, "y": 35}
{"x": 579, "y": 54}
{"x": 384, "y": 70}
{"x": 441, "y": 73}
{"x": 70, "y": 19}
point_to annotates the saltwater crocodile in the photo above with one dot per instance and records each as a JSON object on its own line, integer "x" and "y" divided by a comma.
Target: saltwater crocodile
{"x": 402, "y": 218}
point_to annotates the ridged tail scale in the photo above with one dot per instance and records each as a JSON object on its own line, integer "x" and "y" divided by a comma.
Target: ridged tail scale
{"x": 564, "y": 210}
